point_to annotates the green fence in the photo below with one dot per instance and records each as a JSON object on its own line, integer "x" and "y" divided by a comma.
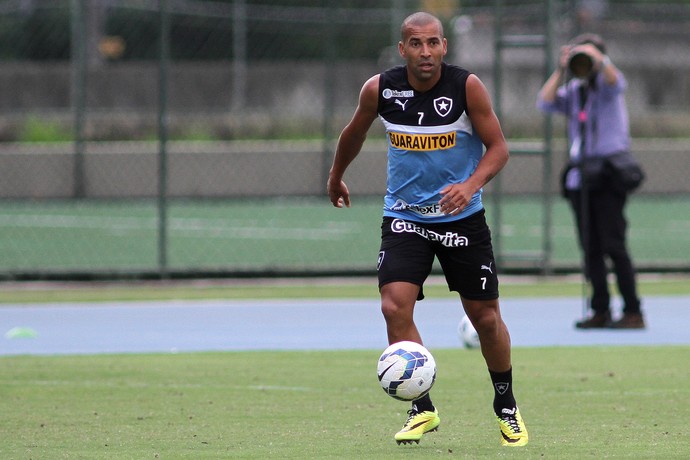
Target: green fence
{"x": 295, "y": 236}
{"x": 146, "y": 138}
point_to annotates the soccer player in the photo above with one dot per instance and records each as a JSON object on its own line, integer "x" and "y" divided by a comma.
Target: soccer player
{"x": 438, "y": 119}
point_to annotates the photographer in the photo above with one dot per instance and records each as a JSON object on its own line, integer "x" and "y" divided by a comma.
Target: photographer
{"x": 597, "y": 119}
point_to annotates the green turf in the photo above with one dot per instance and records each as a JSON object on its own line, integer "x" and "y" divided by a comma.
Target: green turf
{"x": 582, "y": 402}
{"x": 17, "y": 293}
{"x": 287, "y": 234}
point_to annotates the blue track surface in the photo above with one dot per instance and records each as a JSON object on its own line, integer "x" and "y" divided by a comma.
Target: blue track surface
{"x": 302, "y": 325}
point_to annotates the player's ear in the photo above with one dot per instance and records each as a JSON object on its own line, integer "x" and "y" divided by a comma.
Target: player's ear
{"x": 401, "y": 49}
{"x": 445, "y": 46}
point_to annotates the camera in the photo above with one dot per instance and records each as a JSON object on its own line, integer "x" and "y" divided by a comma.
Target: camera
{"x": 580, "y": 64}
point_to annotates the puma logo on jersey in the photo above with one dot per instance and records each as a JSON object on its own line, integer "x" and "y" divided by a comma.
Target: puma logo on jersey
{"x": 400, "y": 103}
{"x": 484, "y": 267}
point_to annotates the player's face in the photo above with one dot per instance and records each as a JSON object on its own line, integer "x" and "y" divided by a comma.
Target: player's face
{"x": 423, "y": 49}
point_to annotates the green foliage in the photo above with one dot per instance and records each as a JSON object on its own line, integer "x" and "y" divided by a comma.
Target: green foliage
{"x": 204, "y": 29}
{"x": 616, "y": 402}
{"x": 39, "y": 130}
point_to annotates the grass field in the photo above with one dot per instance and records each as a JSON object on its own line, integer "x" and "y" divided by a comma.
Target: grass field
{"x": 580, "y": 402}
{"x": 618, "y": 402}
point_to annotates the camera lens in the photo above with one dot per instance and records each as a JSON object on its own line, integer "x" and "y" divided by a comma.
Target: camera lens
{"x": 580, "y": 65}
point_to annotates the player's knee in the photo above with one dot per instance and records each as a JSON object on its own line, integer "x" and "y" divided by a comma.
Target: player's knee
{"x": 486, "y": 322}
{"x": 391, "y": 310}
{"x": 396, "y": 312}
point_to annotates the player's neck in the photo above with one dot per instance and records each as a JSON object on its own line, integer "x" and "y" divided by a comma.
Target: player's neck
{"x": 422, "y": 86}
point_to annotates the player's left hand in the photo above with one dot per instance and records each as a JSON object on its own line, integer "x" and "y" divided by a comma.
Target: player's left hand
{"x": 455, "y": 198}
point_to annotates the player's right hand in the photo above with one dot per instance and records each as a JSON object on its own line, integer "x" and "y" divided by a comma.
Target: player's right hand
{"x": 338, "y": 193}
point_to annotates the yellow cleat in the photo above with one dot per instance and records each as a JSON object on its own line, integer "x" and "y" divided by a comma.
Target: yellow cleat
{"x": 416, "y": 425}
{"x": 513, "y": 430}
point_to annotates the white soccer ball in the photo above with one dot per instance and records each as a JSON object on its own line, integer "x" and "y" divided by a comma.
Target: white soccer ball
{"x": 468, "y": 334}
{"x": 406, "y": 371}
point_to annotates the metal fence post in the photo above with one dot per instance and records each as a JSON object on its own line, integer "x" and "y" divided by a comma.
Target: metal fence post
{"x": 330, "y": 55}
{"x": 78, "y": 90}
{"x": 547, "y": 196}
{"x": 502, "y": 42}
{"x": 163, "y": 63}
{"x": 239, "y": 50}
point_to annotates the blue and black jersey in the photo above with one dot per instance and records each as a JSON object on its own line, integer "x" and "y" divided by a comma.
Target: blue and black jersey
{"x": 431, "y": 143}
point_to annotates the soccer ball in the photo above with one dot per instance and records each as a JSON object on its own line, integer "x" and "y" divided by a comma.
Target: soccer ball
{"x": 406, "y": 370}
{"x": 468, "y": 334}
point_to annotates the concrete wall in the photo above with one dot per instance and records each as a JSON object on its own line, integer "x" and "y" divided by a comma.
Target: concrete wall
{"x": 236, "y": 169}
{"x": 122, "y": 100}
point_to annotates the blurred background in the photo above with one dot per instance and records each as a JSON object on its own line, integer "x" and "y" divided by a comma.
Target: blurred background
{"x": 192, "y": 138}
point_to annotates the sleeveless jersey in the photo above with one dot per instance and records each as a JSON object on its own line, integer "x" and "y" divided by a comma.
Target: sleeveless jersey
{"x": 431, "y": 144}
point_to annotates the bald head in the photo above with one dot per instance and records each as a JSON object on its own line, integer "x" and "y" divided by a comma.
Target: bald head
{"x": 419, "y": 19}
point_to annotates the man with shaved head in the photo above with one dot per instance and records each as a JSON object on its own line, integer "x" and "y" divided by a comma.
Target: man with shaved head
{"x": 438, "y": 119}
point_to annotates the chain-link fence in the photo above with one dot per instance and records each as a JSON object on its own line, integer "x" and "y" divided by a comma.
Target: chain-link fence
{"x": 192, "y": 138}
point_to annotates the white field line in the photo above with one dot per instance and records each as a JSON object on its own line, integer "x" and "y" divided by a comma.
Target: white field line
{"x": 673, "y": 229}
{"x": 249, "y": 229}
{"x": 183, "y": 227}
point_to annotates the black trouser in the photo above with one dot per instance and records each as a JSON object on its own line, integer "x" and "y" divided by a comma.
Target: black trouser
{"x": 606, "y": 231}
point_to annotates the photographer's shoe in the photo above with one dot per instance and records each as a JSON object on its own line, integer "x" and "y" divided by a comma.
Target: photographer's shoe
{"x": 596, "y": 321}
{"x": 629, "y": 321}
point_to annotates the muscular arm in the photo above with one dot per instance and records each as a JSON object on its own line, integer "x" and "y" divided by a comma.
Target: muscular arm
{"x": 351, "y": 140}
{"x": 487, "y": 126}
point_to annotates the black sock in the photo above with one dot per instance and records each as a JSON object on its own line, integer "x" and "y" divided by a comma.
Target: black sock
{"x": 423, "y": 404}
{"x": 503, "y": 390}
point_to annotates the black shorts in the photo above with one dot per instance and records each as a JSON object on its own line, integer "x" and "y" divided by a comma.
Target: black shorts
{"x": 463, "y": 249}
